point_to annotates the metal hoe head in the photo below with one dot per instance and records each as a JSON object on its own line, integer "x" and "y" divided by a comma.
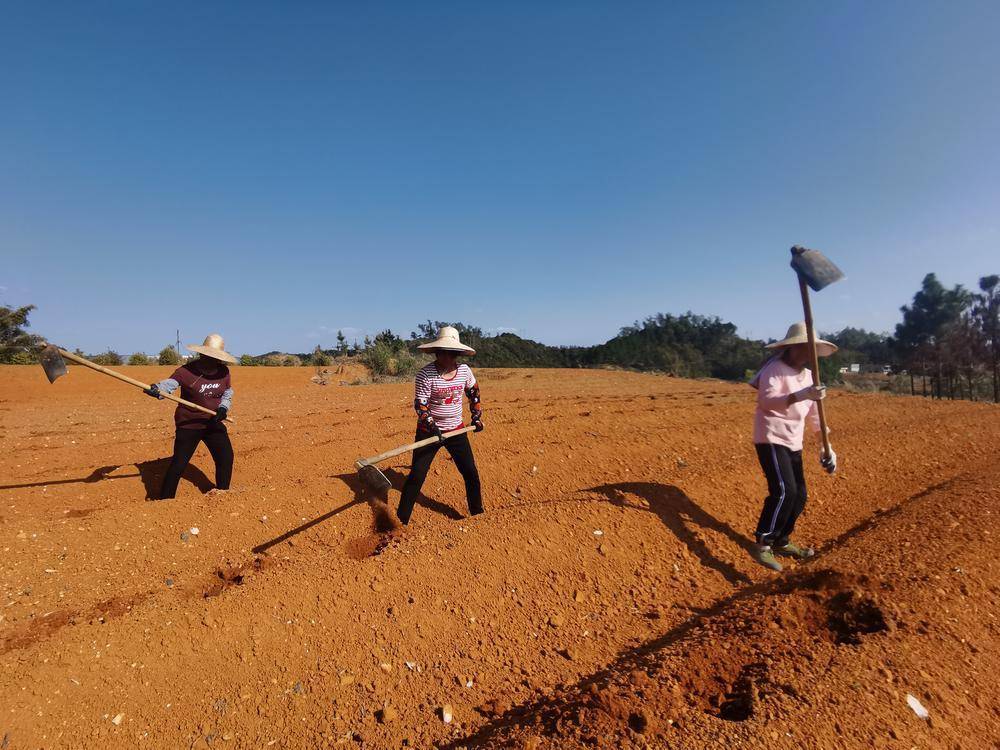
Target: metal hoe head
{"x": 817, "y": 270}
{"x": 374, "y": 479}
{"x": 52, "y": 362}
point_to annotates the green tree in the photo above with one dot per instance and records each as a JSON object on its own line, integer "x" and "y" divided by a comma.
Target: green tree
{"x": 248, "y": 361}
{"x": 986, "y": 310}
{"x": 341, "y": 344}
{"x": 963, "y": 348}
{"x": 138, "y": 359}
{"x": 168, "y": 356}
{"x": 919, "y": 338}
{"x": 16, "y": 344}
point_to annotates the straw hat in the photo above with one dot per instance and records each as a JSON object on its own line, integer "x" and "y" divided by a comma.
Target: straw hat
{"x": 447, "y": 341}
{"x": 797, "y": 334}
{"x": 215, "y": 348}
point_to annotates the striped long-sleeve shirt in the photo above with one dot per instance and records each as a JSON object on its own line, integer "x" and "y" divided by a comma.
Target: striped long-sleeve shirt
{"x": 438, "y": 401}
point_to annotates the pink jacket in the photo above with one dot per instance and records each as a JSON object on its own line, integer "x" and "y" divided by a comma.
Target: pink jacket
{"x": 775, "y": 422}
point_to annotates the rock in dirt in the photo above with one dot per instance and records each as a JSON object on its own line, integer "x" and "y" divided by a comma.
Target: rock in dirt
{"x": 118, "y": 719}
{"x": 917, "y": 706}
{"x": 386, "y": 715}
{"x": 447, "y": 714}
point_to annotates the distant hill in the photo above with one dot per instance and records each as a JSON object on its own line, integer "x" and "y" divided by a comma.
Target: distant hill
{"x": 685, "y": 345}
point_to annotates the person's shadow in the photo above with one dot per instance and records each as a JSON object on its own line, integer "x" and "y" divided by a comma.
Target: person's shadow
{"x": 99, "y": 474}
{"x": 152, "y": 473}
{"x": 679, "y": 513}
{"x": 398, "y": 479}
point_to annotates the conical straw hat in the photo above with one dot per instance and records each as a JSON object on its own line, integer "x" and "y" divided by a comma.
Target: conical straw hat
{"x": 213, "y": 347}
{"x": 797, "y": 334}
{"x": 447, "y": 340}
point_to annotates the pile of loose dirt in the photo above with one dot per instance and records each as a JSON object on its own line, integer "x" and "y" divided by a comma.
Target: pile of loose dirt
{"x": 604, "y": 599}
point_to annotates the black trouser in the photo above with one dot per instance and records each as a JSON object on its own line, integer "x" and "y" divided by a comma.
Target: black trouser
{"x": 216, "y": 439}
{"x": 461, "y": 451}
{"x": 786, "y": 493}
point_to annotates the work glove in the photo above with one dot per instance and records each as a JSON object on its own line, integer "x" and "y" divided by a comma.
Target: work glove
{"x": 477, "y": 422}
{"x": 154, "y": 391}
{"x": 811, "y": 393}
{"x": 220, "y": 414}
{"x": 829, "y": 461}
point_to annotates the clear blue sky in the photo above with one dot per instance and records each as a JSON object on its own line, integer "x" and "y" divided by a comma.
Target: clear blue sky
{"x": 276, "y": 171}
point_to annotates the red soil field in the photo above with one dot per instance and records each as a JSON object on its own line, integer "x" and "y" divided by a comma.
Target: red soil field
{"x": 605, "y": 598}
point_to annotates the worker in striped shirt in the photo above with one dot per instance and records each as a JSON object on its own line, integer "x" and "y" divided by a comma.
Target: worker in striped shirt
{"x": 440, "y": 389}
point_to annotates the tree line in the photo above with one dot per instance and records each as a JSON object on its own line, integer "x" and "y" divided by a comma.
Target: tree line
{"x": 950, "y": 340}
{"x": 947, "y": 345}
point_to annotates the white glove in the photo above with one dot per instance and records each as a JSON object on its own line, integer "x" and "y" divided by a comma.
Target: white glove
{"x": 812, "y": 393}
{"x": 829, "y": 461}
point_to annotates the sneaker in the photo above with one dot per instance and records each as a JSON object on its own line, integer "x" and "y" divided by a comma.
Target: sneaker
{"x": 763, "y": 555}
{"x": 793, "y": 550}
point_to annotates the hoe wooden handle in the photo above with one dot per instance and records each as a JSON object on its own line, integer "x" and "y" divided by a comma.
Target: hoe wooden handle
{"x": 133, "y": 381}
{"x": 413, "y": 446}
{"x": 814, "y": 363}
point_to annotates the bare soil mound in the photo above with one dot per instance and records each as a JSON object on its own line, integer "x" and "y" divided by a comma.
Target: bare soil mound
{"x": 605, "y": 599}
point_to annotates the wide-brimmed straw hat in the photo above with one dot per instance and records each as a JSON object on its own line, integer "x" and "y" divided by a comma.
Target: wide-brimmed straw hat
{"x": 797, "y": 334}
{"x": 213, "y": 347}
{"x": 447, "y": 340}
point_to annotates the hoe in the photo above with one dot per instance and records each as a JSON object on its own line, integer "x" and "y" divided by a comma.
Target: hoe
{"x": 377, "y": 481}
{"x": 817, "y": 271}
{"x": 53, "y": 362}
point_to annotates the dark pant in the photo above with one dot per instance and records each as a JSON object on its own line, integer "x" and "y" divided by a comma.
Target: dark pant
{"x": 186, "y": 441}
{"x": 461, "y": 451}
{"x": 786, "y": 493}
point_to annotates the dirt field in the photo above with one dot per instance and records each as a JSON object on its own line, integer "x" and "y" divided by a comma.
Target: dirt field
{"x": 605, "y": 599}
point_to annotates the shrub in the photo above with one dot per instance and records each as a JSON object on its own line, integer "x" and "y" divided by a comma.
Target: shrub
{"x": 23, "y": 357}
{"x": 290, "y": 360}
{"x": 108, "y": 359}
{"x": 388, "y": 357}
{"x": 168, "y": 356}
{"x": 320, "y": 358}
{"x": 138, "y": 359}
{"x": 247, "y": 361}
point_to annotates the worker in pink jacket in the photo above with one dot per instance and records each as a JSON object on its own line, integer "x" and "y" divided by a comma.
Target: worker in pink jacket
{"x": 786, "y": 400}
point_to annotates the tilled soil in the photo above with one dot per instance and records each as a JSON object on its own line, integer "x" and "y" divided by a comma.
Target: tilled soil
{"x": 605, "y": 599}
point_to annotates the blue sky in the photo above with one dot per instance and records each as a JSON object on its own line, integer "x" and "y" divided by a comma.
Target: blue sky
{"x": 276, "y": 171}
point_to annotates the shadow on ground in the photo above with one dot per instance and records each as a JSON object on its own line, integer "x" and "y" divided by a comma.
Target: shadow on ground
{"x": 398, "y": 478}
{"x": 545, "y": 713}
{"x": 682, "y": 516}
{"x": 152, "y": 473}
{"x": 97, "y": 475}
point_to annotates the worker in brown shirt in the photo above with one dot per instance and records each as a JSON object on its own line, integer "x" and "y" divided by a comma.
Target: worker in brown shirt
{"x": 204, "y": 381}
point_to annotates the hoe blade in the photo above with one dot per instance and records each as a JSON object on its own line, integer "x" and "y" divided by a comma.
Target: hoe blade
{"x": 52, "y": 362}
{"x": 375, "y": 480}
{"x": 818, "y": 270}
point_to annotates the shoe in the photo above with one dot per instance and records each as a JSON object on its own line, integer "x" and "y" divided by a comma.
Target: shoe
{"x": 763, "y": 555}
{"x": 791, "y": 549}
